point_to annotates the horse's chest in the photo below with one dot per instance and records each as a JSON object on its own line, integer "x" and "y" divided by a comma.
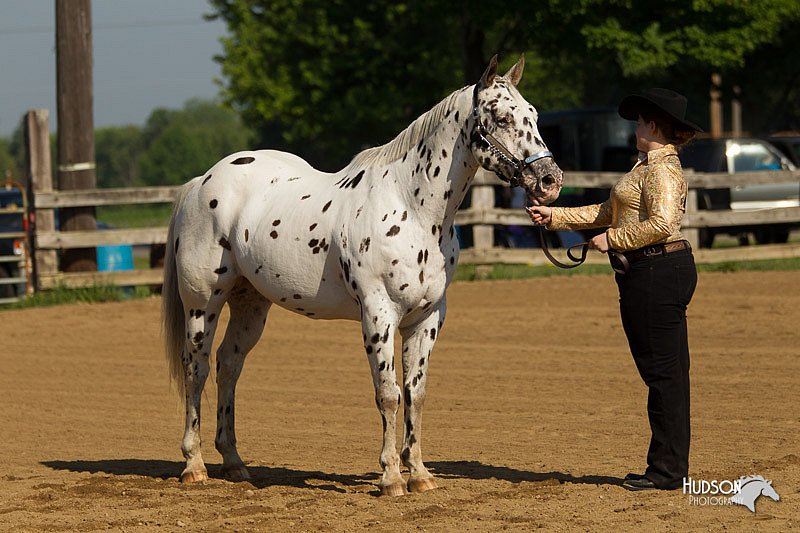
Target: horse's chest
{"x": 412, "y": 273}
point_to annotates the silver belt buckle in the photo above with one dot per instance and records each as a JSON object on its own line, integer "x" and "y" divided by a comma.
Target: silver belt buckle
{"x": 651, "y": 251}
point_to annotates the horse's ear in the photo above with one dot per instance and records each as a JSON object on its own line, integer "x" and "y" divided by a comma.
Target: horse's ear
{"x": 491, "y": 71}
{"x": 514, "y": 74}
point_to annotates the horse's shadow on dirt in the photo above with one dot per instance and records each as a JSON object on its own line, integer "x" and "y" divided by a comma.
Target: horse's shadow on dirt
{"x": 262, "y": 476}
{"x": 269, "y": 476}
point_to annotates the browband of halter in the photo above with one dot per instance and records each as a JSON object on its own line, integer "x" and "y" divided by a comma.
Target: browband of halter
{"x": 500, "y": 151}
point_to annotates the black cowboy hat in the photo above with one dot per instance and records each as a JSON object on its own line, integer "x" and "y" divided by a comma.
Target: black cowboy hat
{"x": 672, "y": 104}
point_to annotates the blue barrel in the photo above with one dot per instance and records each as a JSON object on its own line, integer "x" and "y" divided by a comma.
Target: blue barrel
{"x": 114, "y": 258}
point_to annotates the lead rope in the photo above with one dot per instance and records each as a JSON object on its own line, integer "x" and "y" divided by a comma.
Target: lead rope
{"x": 619, "y": 263}
{"x": 576, "y": 261}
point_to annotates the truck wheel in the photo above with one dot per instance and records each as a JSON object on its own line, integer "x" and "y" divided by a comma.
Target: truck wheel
{"x": 780, "y": 236}
{"x": 763, "y": 236}
{"x": 777, "y": 235}
{"x": 706, "y": 237}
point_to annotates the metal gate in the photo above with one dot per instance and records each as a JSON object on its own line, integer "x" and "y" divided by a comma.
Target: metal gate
{"x": 15, "y": 264}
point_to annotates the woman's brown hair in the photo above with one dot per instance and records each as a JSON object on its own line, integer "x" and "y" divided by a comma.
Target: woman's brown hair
{"x": 672, "y": 131}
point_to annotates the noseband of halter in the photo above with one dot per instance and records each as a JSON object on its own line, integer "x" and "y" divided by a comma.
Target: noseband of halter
{"x": 501, "y": 152}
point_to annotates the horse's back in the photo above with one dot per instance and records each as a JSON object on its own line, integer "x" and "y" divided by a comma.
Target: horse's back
{"x": 250, "y": 177}
{"x": 265, "y": 216}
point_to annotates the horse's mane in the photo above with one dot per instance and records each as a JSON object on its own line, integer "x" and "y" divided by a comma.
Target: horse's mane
{"x": 748, "y": 479}
{"x": 416, "y": 131}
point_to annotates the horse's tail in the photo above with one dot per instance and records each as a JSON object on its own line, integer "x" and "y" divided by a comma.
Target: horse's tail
{"x": 173, "y": 321}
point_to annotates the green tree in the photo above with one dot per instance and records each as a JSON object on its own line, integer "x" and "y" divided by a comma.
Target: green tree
{"x": 769, "y": 82}
{"x": 680, "y": 44}
{"x": 181, "y": 144}
{"x": 16, "y": 151}
{"x": 117, "y": 151}
{"x": 326, "y": 79}
{"x": 7, "y": 164}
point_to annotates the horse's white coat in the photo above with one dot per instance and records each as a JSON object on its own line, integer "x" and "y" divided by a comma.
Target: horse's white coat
{"x": 374, "y": 242}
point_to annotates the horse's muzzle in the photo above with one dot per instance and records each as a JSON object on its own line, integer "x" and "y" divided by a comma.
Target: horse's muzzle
{"x": 543, "y": 182}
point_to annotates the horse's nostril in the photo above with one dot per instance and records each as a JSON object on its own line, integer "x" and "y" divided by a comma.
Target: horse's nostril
{"x": 548, "y": 181}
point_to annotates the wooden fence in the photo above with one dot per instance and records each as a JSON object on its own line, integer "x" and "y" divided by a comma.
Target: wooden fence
{"x": 481, "y": 215}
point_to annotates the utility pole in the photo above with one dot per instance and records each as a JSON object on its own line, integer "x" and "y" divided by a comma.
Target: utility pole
{"x": 74, "y": 99}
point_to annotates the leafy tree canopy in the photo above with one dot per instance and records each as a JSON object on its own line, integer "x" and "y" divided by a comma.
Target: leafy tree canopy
{"x": 327, "y": 78}
{"x": 173, "y": 146}
{"x": 8, "y": 166}
{"x": 181, "y": 144}
{"x": 117, "y": 152}
{"x": 331, "y": 77}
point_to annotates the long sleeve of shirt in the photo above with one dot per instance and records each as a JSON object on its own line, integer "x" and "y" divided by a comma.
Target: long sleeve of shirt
{"x": 645, "y": 207}
{"x": 584, "y": 217}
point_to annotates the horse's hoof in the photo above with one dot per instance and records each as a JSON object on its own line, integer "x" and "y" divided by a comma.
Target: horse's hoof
{"x": 421, "y": 484}
{"x": 194, "y": 477}
{"x": 236, "y": 473}
{"x": 395, "y": 489}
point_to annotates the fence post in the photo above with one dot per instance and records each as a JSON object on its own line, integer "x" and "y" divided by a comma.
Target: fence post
{"x": 40, "y": 179}
{"x": 482, "y": 198}
{"x": 482, "y": 234}
{"x": 692, "y": 234}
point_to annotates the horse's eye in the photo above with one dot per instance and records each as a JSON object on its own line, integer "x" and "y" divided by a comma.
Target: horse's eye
{"x": 504, "y": 120}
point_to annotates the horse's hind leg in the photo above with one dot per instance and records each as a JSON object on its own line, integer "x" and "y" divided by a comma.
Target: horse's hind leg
{"x": 418, "y": 342}
{"x": 201, "y": 320}
{"x": 248, "y": 317}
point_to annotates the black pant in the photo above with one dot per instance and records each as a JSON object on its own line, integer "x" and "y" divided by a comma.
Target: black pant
{"x": 653, "y": 297}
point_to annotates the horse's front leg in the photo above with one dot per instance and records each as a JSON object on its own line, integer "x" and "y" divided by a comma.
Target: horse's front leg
{"x": 378, "y": 326}
{"x": 418, "y": 341}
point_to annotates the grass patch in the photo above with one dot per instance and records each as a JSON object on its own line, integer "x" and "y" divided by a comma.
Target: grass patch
{"x": 110, "y": 293}
{"x": 96, "y": 294}
{"x": 504, "y": 271}
{"x": 135, "y": 216}
{"x": 790, "y": 263}
{"x": 140, "y": 262}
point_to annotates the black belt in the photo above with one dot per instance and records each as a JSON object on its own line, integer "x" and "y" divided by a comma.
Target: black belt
{"x": 621, "y": 261}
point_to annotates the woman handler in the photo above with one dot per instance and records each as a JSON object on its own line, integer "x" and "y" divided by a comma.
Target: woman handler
{"x": 656, "y": 274}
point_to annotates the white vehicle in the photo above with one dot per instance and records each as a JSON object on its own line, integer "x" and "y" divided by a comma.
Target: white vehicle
{"x": 742, "y": 155}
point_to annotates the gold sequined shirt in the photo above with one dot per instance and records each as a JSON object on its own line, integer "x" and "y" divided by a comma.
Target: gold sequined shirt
{"x": 645, "y": 207}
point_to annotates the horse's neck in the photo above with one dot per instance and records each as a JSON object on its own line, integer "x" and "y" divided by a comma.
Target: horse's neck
{"x": 753, "y": 488}
{"x": 437, "y": 172}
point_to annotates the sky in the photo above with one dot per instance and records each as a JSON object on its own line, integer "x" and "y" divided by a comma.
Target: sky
{"x": 147, "y": 54}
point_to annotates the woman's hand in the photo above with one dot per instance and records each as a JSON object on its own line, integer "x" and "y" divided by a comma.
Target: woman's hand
{"x": 599, "y": 243}
{"x": 540, "y": 214}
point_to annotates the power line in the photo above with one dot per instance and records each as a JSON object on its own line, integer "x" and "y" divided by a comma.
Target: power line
{"x": 108, "y": 26}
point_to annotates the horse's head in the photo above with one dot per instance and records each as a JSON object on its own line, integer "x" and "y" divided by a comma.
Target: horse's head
{"x": 768, "y": 491}
{"x": 505, "y": 139}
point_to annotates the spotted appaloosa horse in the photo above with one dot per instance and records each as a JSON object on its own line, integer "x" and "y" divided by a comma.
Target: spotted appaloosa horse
{"x": 373, "y": 242}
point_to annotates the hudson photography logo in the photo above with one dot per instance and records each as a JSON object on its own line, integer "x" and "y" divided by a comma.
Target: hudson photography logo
{"x": 743, "y": 491}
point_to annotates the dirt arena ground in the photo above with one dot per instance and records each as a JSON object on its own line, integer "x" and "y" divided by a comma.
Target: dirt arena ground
{"x": 534, "y": 413}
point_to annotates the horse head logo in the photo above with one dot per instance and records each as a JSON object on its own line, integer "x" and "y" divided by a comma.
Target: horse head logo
{"x": 751, "y": 487}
